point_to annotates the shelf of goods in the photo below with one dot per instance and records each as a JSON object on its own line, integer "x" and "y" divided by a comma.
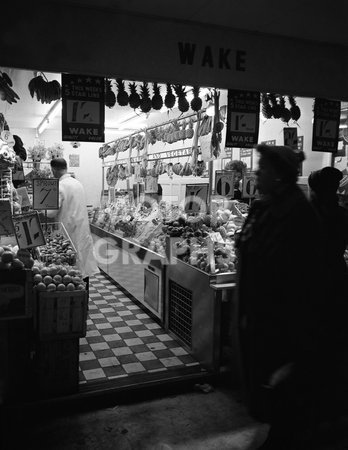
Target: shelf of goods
{"x": 43, "y": 287}
{"x": 162, "y": 234}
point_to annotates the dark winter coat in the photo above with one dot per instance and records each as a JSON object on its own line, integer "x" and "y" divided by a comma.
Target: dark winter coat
{"x": 280, "y": 280}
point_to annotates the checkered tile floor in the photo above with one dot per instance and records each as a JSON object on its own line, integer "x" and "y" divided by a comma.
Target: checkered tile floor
{"x": 122, "y": 340}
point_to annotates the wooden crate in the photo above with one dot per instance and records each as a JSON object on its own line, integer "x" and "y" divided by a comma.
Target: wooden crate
{"x": 57, "y": 367}
{"x": 60, "y": 315}
{"x": 16, "y": 294}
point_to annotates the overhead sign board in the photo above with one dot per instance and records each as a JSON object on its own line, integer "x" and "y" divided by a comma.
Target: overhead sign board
{"x": 83, "y": 108}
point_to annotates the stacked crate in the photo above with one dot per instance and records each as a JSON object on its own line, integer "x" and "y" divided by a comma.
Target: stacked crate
{"x": 59, "y": 321}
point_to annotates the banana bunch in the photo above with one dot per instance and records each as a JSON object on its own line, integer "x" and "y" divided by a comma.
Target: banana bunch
{"x": 6, "y": 93}
{"x": 45, "y": 91}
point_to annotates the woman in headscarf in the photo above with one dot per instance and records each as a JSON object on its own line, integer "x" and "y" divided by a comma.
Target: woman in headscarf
{"x": 279, "y": 272}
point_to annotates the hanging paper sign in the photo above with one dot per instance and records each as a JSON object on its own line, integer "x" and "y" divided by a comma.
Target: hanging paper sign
{"x": 246, "y": 156}
{"x": 74, "y": 160}
{"x": 45, "y": 193}
{"x": 204, "y": 142}
{"x": 243, "y": 117}
{"x": 224, "y": 183}
{"x": 6, "y": 224}
{"x": 23, "y": 195}
{"x": 326, "y": 125}
{"x": 83, "y": 108}
{"x": 7, "y": 137}
{"x": 28, "y": 230}
{"x": 196, "y": 198}
{"x": 249, "y": 186}
{"x": 151, "y": 185}
{"x": 290, "y": 137}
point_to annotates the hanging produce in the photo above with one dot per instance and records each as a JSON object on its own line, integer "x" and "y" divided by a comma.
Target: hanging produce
{"x": 145, "y": 102}
{"x": 276, "y": 108}
{"x": 285, "y": 114}
{"x": 6, "y": 93}
{"x": 266, "y": 107}
{"x": 134, "y": 97}
{"x": 183, "y": 104}
{"x": 189, "y": 131}
{"x": 45, "y": 91}
{"x": 294, "y": 108}
{"x": 169, "y": 99}
{"x": 122, "y": 95}
{"x": 156, "y": 101}
{"x": 217, "y": 128}
{"x": 110, "y": 97}
{"x": 196, "y": 103}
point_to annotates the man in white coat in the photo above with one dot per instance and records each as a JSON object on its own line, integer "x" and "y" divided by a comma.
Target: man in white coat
{"x": 72, "y": 213}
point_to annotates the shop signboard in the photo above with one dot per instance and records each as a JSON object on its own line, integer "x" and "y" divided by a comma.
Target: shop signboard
{"x": 224, "y": 183}
{"x": 196, "y": 198}
{"x": 326, "y": 125}
{"x": 243, "y": 117}
{"x": 290, "y": 137}
{"x": 249, "y": 186}
{"x": 83, "y": 108}
{"x": 6, "y": 223}
{"x": 45, "y": 193}
{"x": 28, "y": 230}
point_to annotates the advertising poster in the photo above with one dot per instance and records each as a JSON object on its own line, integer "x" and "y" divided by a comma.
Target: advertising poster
{"x": 326, "y": 125}
{"x": 83, "y": 108}
{"x": 243, "y": 117}
{"x": 74, "y": 160}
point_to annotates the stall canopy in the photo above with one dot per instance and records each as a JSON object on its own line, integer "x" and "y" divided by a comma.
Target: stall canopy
{"x": 301, "y": 49}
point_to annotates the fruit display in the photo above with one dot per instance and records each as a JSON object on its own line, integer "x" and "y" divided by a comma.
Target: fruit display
{"x": 195, "y": 237}
{"x": 58, "y": 249}
{"x": 57, "y": 277}
{"x": 13, "y": 259}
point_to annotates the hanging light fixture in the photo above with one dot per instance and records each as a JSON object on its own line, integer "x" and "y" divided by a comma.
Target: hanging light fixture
{"x": 53, "y": 111}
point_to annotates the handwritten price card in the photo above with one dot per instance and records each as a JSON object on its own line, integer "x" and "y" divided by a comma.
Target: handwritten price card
{"x": 28, "y": 230}
{"x": 45, "y": 193}
{"x": 6, "y": 224}
{"x": 196, "y": 198}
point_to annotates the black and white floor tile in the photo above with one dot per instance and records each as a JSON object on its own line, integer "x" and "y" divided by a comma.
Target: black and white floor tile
{"x": 122, "y": 340}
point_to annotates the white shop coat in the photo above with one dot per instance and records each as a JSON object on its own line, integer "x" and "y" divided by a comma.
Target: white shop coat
{"x": 73, "y": 215}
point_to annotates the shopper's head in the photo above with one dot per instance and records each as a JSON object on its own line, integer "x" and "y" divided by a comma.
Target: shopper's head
{"x": 325, "y": 182}
{"x": 278, "y": 166}
{"x": 239, "y": 168}
{"x": 59, "y": 167}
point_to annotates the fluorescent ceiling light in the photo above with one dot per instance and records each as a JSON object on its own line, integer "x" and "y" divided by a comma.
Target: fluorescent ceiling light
{"x": 53, "y": 111}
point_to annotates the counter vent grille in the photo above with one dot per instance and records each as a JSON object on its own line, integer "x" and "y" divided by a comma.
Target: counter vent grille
{"x": 180, "y": 312}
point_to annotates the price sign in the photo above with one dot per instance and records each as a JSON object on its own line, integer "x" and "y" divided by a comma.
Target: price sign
{"x": 28, "y": 230}
{"x": 6, "y": 224}
{"x": 224, "y": 183}
{"x": 290, "y": 137}
{"x": 215, "y": 236}
{"x": 249, "y": 186}
{"x": 45, "y": 193}
{"x": 196, "y": 198}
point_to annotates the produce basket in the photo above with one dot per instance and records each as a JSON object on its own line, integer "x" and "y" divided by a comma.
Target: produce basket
{"x": 59, "y": 248}
{"x": 60, "y": 315}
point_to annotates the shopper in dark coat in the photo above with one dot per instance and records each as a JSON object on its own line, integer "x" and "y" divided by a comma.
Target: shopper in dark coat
{"x": 324, "y": 185}
{"x": 279, "y": 289}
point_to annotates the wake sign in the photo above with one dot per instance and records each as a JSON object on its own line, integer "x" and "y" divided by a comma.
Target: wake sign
{"x": 243, "y": 117}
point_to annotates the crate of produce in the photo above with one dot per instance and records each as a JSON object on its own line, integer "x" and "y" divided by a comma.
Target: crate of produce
{"x": 60, "y": 315}
{"x": 56, "y": 367}
{"x": 59, "y": 248}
